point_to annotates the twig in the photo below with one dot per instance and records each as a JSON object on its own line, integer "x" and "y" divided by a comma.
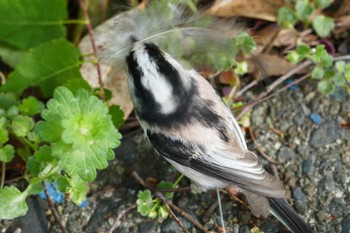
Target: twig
{"x": 246, "y": 88}
{"x": 138, "y": 178}
{"x": 177, "y": 220}
{"x": 94, "y": 48}
{"x": 188, "y": 217}
{"x": 175, "y": 190}
{"x": 120, "y": 215}
{"x": 3, "y": 173}
{"x": 264, "y": 95}
{"x": 210, "y": 211}
{"x": 53, "y": 209}
{"x": 259, "y": 148}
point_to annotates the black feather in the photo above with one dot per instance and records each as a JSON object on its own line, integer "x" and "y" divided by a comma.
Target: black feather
{"x": 287, "y": 215}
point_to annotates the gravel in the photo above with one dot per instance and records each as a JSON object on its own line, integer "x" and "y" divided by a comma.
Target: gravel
{"x": 313, "y": 163}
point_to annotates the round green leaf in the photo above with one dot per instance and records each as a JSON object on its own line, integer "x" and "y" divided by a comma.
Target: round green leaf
{"x": 12, "y": 203}
{"x": 7, "y": 153}
{"x": 325, "y": 87}
{"x": 286, "y": 17}
{"x": 323, "y": 25}
{"x": 317, "y": 73}
{"x": 21, "y": 125}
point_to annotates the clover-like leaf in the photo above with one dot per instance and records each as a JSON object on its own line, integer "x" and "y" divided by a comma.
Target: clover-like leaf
{"x": 7, "y": 153}
{"x": 31, "y": 106}
{"x": 81, "y": 132}
{"x": 286, "y": 17}
{"x": 21, "y": 125}
{"x": 12, "y": 203}
{"x": 325, "y": 87}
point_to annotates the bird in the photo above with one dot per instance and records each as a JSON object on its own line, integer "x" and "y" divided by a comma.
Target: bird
{"x": 188, "y": 124}
{"x": 181, "y": 114}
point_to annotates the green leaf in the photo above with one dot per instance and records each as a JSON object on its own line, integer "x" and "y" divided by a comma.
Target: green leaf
{"x": 36, "y": 185}
{"x": 117, "y": 115}
{"x": 21, "y": 125}
{"x": 7, "y": 100}
{"x": 44, "y": 154}
{"x": 31, "y": 106}
{"x": 81, "y": 132}
{"x": 78, "y": 189}
{"x": 166, "y": 185}
{"x": 143, "y": 209}
{"x": 63, "y": 184}
{"x": 293, "y": 57}
{"x": 241, "y": 68}
{"x": 321, "y": 56}
{"x": 317, "y": 73}
{"x": 244, "y": 42}
{"x": 286, "y": 17}
{"x": 48, "y": 66}
{"x": 4, "y": 136}
{"x": 33, "y": 166}
{"x": 10, "y": 54}
{"x": 323, "y": 25}
{"x": 340, "y": 66}
{"x": 303, "y": 9}
{"x": 339, "y": 79}
{"x": 12, "y": 203}
{"x": 26, "y": 24}
{"x": 145, "y": 196}
{"x": 76, "y": 84}
{"x": 163, "y": 212}
{"x": 325, "y": 87}
{"x": 322, "y": 4}
{"x": 7, "y": 153}
{"x": 303, "y": 50}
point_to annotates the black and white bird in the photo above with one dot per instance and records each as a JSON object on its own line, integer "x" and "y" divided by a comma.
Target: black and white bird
{"x": 190, "y": 126}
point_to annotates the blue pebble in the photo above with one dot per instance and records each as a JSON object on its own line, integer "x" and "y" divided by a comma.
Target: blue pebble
{"x": 315, "y": 118}
{"x": 54, "y": 193}
{"x": 293, "y": 87}
{"x": 84, "y": 204}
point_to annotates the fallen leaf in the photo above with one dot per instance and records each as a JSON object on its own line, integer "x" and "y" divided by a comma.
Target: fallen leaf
{"x": 258, "y": 9}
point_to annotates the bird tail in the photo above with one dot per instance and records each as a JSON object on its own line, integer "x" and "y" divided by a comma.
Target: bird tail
{"x": 286, "y": 214}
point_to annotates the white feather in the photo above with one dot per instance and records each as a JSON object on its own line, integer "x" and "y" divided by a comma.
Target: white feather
{"x": 165, "y": 25}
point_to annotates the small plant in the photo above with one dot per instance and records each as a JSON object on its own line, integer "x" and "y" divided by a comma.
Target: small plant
{"x": 153, "y": 207}
{"x": 304, "y": 12}
{"x": 75, "y": 138}
{"x": 328, "y": 74}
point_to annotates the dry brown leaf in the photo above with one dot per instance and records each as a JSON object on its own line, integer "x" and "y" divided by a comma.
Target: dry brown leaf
{"x": 114, "y": 80}
{"x": 258, "y": 9}
{"x": 274, "y": 65}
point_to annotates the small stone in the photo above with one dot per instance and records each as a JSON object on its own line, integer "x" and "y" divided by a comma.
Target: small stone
{"x": 327, "y": 184}
{"x": 146, "y": 227}
{"x": 334, "y": 108}
{"x": 170, "y": 226}
{"x": 299, "y": 118}
{"x": 316, "y": 119}
{"x": 308, "y": 167}
{"x": 327, "y": 133}
{"x": 300, "y": 200}
{"x": 346, "y": 225}
{"x": 244, "y": 229}
{"x": 286, "y": 154}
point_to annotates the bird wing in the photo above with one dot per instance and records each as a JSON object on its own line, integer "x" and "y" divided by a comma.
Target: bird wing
{"x": 242, "y": 169}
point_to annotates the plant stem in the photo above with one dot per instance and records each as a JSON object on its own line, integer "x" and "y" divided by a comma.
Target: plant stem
{"x": 94, "y": 47}
{"x": 53, "y": 209}
{"x": 3, "y": 173}
{"x": 177, "y": 181}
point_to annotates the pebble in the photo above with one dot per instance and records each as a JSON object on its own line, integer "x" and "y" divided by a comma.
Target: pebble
{"x": 170, "y": 226}
{"x": 346, "y": 225}
{"x": 308, "y": 167}
{"x": 325, "y": 134}
{"x": 146, "y": 227}
{"x": 300, "y": 199}
{"x": 286, "y": 154}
